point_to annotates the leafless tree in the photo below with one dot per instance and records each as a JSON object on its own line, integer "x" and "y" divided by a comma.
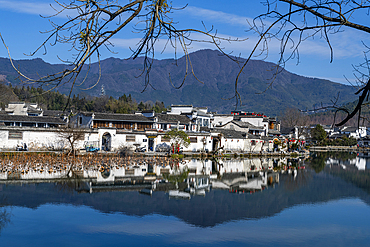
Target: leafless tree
{"x": 293, "y": 117}
{"x": 96, "y": 22}
{"x": 4, "y": 218}
{"x": 291, "y": 22}
{"x": 72, "y": 136}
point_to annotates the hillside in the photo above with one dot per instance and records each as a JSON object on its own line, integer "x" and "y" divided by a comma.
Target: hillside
{"x": 217, "y": 74}
{"x": 6, "y": 94}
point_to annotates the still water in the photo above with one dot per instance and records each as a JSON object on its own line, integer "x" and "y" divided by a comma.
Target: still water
{"x": 321, "y": 200}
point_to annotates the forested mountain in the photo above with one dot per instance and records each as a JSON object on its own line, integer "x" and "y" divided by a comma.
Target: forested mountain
{"x": 53, "y": 100}
{"x": 217, "y": 75}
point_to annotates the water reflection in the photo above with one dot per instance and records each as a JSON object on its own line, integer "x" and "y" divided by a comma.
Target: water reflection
{"x": 215, "y": 191}
{"x": 180, "y": 178}
{"x": 97, "y": 201}
{"x": 351, "y": 167}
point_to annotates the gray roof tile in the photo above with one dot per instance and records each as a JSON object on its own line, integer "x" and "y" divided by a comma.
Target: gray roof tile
{"x": 30, "y": 119}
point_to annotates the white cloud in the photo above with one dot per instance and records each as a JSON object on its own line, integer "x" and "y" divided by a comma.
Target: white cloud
{"x": 32, "y": 7}
{"x": 345, "y": 44}
{"x": 217, "y": 16}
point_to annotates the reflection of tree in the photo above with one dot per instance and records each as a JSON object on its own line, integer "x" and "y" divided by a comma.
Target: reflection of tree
{"x": 342, "y": 155}
{"x": 69, "y": 185}
{"x": 4, "y": 214}
{"x": 177, "y": 178}
{"x": 4, "y": 218}
{"x": 317, "y": 161}
{"x": 292, "y": 183}
{"x": 72, "y": 180}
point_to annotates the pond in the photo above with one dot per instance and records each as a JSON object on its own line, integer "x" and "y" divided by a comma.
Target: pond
{"x": 320, "y": 200}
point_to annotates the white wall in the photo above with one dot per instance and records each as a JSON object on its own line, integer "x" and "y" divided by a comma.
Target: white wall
{"x": 221, "y": 119}
{"x": 180, "y": 109}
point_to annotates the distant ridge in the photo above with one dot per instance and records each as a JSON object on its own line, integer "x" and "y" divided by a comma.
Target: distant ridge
{"x": 217, "y": 74}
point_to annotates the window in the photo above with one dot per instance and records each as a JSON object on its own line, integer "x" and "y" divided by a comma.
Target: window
{"x": 253, "y": 142}
{"x": 193, "y": 139}
{"x": 130, "y": 138}
{"x": 15, "y": 135}
{"x": 28, "y": 124}
{"x": 205, "y": 122}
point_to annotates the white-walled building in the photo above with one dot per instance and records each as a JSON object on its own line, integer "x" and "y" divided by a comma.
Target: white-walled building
{"x": 199, "y": 115}
{"x": 23, "y": 109}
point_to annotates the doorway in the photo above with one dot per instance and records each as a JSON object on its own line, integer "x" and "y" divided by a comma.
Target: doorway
{"x": 106, "y": 142}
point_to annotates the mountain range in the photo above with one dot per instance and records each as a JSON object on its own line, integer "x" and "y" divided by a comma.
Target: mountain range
{"x": 216, "y": 82}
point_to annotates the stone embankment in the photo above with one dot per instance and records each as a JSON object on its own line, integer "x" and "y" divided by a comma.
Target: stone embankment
{"x": 339, "y": 149}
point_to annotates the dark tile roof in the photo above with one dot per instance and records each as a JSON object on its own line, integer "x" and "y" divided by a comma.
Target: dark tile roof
{"x": 32, "y": 109}
{"x": 54, "y": 113}
{"x": 286, "y": 130}
{"x": 204, "y": 129}
{"x": 335, "y": 136}
{"x": 349, "y": 129}
{"x": 172, "y": 118}
{"x": 227, "y": 133}
{"x": 274, "y": 132}
{"x": 246, "y": 125}
{"x": 119, "y": 117}
{"x": 242, "y": 124}
{"x": 30, "y": 119}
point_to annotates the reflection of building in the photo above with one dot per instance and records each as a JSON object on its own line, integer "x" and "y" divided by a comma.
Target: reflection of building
{"x": 361, "y": 162}
{"x": 246, "y": 181}
{"x": 244, "y": 165}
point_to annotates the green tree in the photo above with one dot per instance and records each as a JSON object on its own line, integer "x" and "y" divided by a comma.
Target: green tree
{"x": 318, "y": 133}
{"x": 177, "y": 138}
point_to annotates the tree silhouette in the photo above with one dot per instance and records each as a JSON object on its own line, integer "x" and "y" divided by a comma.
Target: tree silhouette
{"x": 96, "y": 22}
{"x": 291, "y": 22}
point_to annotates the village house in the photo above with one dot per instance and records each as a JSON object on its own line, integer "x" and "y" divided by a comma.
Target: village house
{"x": 237, "y": 141}
{"x": 252, "y": 123}
{"x": 23, "y": 109}
{"x": 29, "y": 132}
{"x": 221, "y": 119}
{"x": 165, "y": 122}
{"x": 270, "y": 125}
{"x": 243, "y": 127}
{"x": 113, "y": 131}
{"x": 28, "y": 124}
{"x": 355, "y": 132}
{"x": 199, "y": 115}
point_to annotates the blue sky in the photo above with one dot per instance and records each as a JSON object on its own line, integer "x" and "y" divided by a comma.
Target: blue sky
{"x": 21, "y": 25}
